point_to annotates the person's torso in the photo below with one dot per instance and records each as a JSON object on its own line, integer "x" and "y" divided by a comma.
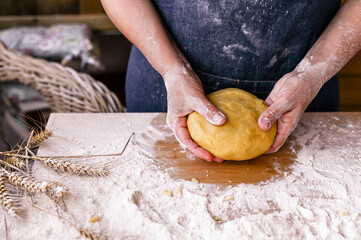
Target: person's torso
{"x": 246, "y": 39}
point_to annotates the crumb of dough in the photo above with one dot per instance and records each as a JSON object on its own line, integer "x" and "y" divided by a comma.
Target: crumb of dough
{"x": 179, "y": 191}
{"x": 94, "y": 219}
{"x": 228, "y": 198}
{"x": 195, "y": 180}
{"x": 168, "y": 192}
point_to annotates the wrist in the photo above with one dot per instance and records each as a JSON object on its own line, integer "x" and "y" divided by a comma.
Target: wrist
{"x": 314, "y": 72}
{"x": 173, "y": 74}
{"x": 173, "y": 60}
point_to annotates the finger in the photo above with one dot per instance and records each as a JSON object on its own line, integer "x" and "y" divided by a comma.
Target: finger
{"x": 269, "y": 101}
{"x": 286, "y": 124}
{"x": 272, "y": 114}
{"x": 277, "y": 144}
{"x": 210, "y": 112}
{"x": 216, "y": 159}
{"x": 281, "y": 136}
{"x": 183, "y": 136}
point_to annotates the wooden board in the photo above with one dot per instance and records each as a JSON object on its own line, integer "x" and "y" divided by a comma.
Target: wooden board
{"x": 94, "y": 132}
{"x": 182, "y": 164}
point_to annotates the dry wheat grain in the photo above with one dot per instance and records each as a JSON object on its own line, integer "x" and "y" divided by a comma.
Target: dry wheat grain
{"x": 5, "y": 199}
{"x": 74, "y": 168}
{"x": 40, "y": 137}
{"x": 27, "y": 183}
{"x": 15, "y": 161}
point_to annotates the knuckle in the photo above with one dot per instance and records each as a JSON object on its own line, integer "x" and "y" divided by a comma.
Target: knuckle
{"x": 205, "y": 108}
{"x": 272, "y": 114}
{"x": 208, "y": 108}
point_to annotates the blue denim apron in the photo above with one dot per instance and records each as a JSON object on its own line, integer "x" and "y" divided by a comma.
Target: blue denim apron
{"x": 246, "y": 44}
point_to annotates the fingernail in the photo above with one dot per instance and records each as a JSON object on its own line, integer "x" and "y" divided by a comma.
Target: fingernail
{"x": 267, "y": 123}
{"x": 218, "y": 117}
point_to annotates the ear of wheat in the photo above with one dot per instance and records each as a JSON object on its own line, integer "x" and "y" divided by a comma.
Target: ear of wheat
{"x": 74, "y": 168}
{"x": 66, "y": 166}
{"x": 15, "y": 161}
{"x": 5, "y": 199}
{"x": 40, "y": 137}
{"x": 27, "y": 183}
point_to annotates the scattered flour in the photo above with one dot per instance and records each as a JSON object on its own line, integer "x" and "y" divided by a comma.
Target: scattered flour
{"x": 319, "y": 199}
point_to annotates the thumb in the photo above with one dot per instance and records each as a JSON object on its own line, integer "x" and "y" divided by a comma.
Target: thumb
{"x": 272, "y": 114}
{"x": 210, "y": 112}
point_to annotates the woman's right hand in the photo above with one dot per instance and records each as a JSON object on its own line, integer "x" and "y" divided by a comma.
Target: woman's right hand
{"x": 185, "y": 95}
{"x": 140, "y": 22}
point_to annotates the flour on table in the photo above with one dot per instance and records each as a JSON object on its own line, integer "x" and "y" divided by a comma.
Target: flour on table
{"x": 319, "y": 199}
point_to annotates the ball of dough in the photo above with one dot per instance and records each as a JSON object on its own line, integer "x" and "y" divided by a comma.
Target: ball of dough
{"x": 240, "y": 138}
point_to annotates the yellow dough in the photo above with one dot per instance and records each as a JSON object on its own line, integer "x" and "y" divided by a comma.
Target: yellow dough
{"x": 240, "y": 138}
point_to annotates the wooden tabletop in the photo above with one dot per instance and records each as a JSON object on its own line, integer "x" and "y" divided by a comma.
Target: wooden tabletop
{"x": 94, "y": 132}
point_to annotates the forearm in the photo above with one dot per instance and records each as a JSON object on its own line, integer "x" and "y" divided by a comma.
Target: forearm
{"x": 139, "y": 21}
{"x": 336, "y": 46}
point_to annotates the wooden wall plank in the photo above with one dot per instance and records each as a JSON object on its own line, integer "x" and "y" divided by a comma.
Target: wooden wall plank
{"x": 44, "y": 7}
{"x": 11, "y": 7}
{"x": 350, "y": 93}
{"x": 350, "y": 85}
{"x": 95, "y": 21}
{"x": 91, "y": 6}
{"x": 354, "y": 66}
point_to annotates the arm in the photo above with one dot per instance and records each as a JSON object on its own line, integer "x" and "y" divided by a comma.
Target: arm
{"x": 294, "y": 92}
{"x": 139, "y": 21}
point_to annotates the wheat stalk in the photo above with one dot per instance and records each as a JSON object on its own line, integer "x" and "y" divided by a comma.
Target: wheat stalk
{"x": 74, "y": 168}
{"x": 66, "y": 166}
{"x": 6, "y": 201}
{"x": 40, "y": 137}
{"x": 27, "y": 183}
{"x": 89, "y": 156}
{"x": 13, "y": 153}
{"x": 15, "y": 161}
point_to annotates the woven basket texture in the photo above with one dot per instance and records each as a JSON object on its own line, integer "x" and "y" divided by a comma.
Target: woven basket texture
{"x": 64, "y": 89}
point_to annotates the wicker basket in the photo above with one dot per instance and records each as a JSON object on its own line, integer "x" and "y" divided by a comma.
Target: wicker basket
{"x": 64, "y": 89}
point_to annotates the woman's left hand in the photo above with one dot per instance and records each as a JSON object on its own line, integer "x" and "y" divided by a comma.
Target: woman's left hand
{"x": 295, "y": 91}
{"x": 287, "y": 101}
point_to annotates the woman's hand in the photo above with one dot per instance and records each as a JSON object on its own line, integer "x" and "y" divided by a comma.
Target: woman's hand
{"x": 288, "y": 100}
{"x": 185, "y": 95}
{"x": 293, "y": 92}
